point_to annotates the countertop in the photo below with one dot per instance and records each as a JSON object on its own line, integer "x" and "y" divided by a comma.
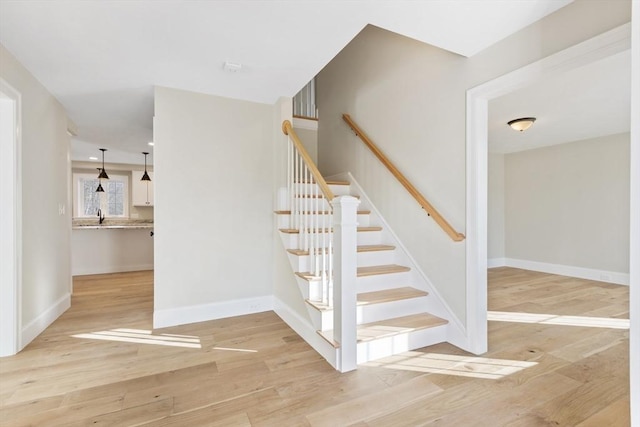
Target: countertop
{"x": 112, "y": 224}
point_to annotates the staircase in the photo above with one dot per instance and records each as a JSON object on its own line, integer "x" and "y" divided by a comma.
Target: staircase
{"x": 391, "y": 302}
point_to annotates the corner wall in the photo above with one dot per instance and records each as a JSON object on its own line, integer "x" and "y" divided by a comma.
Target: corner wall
{"x": 46, "y": 212}
{"x": 213, "y": 207}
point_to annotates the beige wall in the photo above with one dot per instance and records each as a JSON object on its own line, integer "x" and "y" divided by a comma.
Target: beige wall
{"x": 495, "y": 208}
{"x": 569, "y": 204}
{"x": 46, "y": 233}
{"x": 213, "y": 205}
{"x": 309, "y": 139}
{"x": 410, "y": 99}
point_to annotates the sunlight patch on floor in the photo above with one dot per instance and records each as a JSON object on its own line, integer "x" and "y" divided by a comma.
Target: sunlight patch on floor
{"x": 447, "y": 364}
{"x": 555, "y": 319}
{"x": 243, "y": 350}
{"x": 140, "y": 336}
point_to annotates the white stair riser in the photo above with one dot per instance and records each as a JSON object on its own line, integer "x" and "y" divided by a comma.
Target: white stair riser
{"x": 369, "y": 237}
{"x": 296, "y": 241}
{"x": 302, "y": 262}
{"x": 337, "y": 190}
{"x": 375, "y": 258}
{"x": 283, "y": 220}
{"x": 374, "y": 312}
{"x": 381, "y": 282}
{"x": 384, "y": 347}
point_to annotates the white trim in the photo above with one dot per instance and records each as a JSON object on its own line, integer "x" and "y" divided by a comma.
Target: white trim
{"x": 299, "y": 123}
{"x": 602, "y": 46}
{"x": 306, "y": 331}
{"x": 42, "y": 322}
{"x": 217, "y": 310}
{"x": 569, "y": 270}
{"x": 634, "y": 229}
{"x": 496, "y": 262}
{"x": 11, "y": 226}
{"x": 83, "y": 271}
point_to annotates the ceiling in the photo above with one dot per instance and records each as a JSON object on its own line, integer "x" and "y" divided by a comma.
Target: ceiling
{"x": 101, "y": 59}
{"x": 587, "y": 102}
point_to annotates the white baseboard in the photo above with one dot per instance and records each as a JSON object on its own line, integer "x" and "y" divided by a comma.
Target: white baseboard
{"x": 204, "y": 312}
{"x": 496, "y": 262}
{"x": 110, "y": 269}
{"x": 40, "y": 323}
{"x": 571, "y": 271}
{"x": 306, "y": 331}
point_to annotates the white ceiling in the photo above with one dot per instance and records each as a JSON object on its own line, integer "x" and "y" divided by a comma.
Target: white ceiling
{"x": 587, "y": 102}
{"x": 101, "y": 59}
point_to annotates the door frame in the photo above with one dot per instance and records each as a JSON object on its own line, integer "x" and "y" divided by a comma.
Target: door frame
{"x": 609, "y": 43}
{"x": 10, "y": 220}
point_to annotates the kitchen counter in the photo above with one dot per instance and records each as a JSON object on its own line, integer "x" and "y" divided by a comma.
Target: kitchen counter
{"x": 113, "y": 227}
{"x": 112, "y": 224}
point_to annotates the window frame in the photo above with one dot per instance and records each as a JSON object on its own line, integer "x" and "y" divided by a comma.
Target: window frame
{"x": 78, "y": 189}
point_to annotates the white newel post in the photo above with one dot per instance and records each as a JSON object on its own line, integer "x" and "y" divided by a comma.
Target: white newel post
{"x": 345, "y": 227}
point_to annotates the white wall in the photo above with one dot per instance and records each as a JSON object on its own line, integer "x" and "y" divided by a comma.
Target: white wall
{"x": 410, "y": 99}
{"x": 568, "y": 204}
{"x": 495, "y": 210}
{"x": 46, "y": 232}
{"x": 98, "y": 251}
{"x": 213, "y": 206}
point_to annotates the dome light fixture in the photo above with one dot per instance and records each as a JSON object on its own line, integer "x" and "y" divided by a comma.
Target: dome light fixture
{"x": 521, "y": 124}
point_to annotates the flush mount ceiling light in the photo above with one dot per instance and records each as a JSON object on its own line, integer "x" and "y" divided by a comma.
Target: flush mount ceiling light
{"x": 99, "y": 189}
{"x": 145, "y": 176}
{"x": 103, "y": 173}
{"x": 521, "y": 124}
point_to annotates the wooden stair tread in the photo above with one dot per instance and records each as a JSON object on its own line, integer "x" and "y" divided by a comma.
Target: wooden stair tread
{"x": 360, "y": 229}
{"x": 375, "y": 248}
{"x": 362, "y": 271}
{"x": 388, "y": 295}
{"x": 364, "y": 248}
{"x": 390, "y": 327}
{"x": 288, "y": 212}
{"x": 377, "y": 297}
{"x": 381, "y": 269}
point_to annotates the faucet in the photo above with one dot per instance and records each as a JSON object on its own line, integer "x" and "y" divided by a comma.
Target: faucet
{"x": 100, "y": 216}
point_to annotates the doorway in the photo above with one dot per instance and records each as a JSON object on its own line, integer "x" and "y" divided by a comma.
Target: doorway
{"x": 10, "y": 229}
{"x": 603, "y": 46}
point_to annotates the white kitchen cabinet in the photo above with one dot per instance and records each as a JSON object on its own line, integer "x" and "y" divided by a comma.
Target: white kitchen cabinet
{"x": 141, "y": 191}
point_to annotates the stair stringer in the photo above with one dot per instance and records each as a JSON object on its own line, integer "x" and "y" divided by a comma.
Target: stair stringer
{"x": 436, "y": 305}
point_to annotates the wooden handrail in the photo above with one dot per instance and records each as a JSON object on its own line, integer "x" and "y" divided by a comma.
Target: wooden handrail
{"x": 431, "y": 211}
{"x": 287, "y": 129}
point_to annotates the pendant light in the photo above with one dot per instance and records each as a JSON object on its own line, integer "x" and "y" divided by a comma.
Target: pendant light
{"x": 145, "y": 176}
{"x": 103, "y": 173}
{"x": 99, "y": 189}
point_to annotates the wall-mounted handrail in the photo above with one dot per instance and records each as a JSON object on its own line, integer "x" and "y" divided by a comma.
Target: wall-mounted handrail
{"x": 422, "y": 201}
{"x": 287, "y": 129}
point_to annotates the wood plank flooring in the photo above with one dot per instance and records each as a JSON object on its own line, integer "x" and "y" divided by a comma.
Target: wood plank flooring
{"x": 102, "y": 364}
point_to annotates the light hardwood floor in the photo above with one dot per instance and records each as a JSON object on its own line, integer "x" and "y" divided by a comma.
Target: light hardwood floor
{"x": 100, "y": 364}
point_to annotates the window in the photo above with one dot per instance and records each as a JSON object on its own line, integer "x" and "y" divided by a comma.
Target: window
{"x": 114, "y": 202}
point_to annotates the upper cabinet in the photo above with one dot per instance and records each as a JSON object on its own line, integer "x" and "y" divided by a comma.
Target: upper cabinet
{"x": 141, "y": 191}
